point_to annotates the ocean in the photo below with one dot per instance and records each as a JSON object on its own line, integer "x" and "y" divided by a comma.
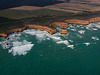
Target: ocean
{"x": 35, "y": 52}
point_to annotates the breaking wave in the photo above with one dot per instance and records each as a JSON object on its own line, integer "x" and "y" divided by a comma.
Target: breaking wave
{"x": 19, "y": 45}
{"x": 20, "y": 50}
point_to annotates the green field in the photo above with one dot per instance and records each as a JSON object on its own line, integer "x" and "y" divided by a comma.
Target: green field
{"x": 19, "y": 14}
{"x": 10, "y": 19}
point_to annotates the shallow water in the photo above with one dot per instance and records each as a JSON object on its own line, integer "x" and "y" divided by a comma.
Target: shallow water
{"x": 35, "y": 52}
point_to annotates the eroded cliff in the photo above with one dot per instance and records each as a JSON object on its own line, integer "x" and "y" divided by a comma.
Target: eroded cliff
{"x": 96, "y": 19}
{"x": 76, "y": 21}
{"x": 52, "y": 30}
{"x": 45, "y": 28}
{"x": 63, "y": 31}
{"x": 16, "y": 30}
{"x": 60, "y": 24}
{"x": 3, "y": 35}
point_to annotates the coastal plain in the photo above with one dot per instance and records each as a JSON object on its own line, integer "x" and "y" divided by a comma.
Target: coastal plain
{"x": 17, "y": 17}
{"x": 30, "y": 49}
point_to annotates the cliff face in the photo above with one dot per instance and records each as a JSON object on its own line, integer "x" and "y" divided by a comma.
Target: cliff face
{"x": 96, "y": 19}
{"x": 61, "y": 24}
{"x": 46, "y": 28}
{"x": 3, "y": 35}
{"x": 16, "y": 30}
{"x": 63, "y": 31}
{"x": 50, "y": 29}
{"x": 76, "y": 21}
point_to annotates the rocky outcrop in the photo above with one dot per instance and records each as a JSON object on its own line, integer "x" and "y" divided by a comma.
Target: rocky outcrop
{"x": 16, "y": 30}
{"x": 96, "y": 19}
{"x": 76, "y": 21}
{"x": 54, "y": 24}
{"x": 63, "y": 31}
{"x": 45, "y": 28}
{"x": 61, "y": 24}
{"x": 3, "y": 35}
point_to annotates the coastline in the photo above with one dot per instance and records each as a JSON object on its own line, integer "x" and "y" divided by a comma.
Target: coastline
{"x": 50, "y": 29}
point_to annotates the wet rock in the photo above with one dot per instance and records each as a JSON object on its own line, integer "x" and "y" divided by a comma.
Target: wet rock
{"x": 3, "y": 35}
{"x": 63, "y": 31}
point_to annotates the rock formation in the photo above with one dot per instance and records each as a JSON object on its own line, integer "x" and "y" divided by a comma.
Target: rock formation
{"x": 60, "y": 24}
{"x": 16, "y": 30}
{"x": 96, "y": 19}
{"x": 52, "y": 30}
{"x": 3, "y": 35}
{"x": 45, "y": 28}
{"x": 63, "y": 31}
{"x": 76, "y": 21}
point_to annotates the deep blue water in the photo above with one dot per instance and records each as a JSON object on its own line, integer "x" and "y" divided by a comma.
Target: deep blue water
{"x": 35, "y": 52}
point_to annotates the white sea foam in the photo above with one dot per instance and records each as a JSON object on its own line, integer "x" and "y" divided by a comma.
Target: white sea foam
{"x": 92, "y": 25}
{"x": 21, "y": 50}
{"x": 0, "y": 42}
{"x": 81, "y": 31}
{"x": 56, "y": 38}
{"x": 71, "y": 46}
{"x": 14, "y": 36}
{"x": 4, "y": 44}
{"x": 82, "y": 27}
{"x": 78, "y": 26}
{"x": 63, "y": 42}
{"x": 17, "y": 47}
{"x": 20, "y": 47}
{"x": 87, "y": 44}
{"x": 17, "y": 43}
{"x": 41, "y": 35}
{"x": 94, "y": 29}
{"x": 70, "y": 40}
{"x": 71, "y": 26}
{"x": 73, "y": 29}
{"x": 80, "y": 36}
{"x": 95, "y": 38}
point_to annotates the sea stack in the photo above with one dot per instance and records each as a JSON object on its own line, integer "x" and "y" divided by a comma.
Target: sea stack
{"x": 3, "y": 35}
{"x": 63, "y": 31}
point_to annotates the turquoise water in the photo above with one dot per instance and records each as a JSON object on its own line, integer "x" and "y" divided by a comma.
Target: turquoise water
{"x": 35, "y": 52}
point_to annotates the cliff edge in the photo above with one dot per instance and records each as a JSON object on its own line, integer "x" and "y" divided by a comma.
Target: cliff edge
{"x": 76, "y": 21}
{"x": 60, "y": 24}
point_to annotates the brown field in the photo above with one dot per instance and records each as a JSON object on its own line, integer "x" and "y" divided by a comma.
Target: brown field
{"x": 26, "y": 8}
{"x": 75, "y": 7}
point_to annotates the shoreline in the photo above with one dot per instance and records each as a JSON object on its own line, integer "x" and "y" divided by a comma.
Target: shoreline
{"x": 50, "y": 29}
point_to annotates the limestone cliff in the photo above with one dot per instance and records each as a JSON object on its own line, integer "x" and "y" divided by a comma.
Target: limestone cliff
{"x": 61, "y": 24}
{"x": 76, "y": 21}
{"x": 45, "y": 28}
{"x": 3, "y": 35}
{"x": 16, "y": 30}
{"x": 96, "y": 19}
{"x": 63, "y": 31}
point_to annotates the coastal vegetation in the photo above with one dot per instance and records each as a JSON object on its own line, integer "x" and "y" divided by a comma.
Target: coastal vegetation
{"x": 12, "y": 19}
